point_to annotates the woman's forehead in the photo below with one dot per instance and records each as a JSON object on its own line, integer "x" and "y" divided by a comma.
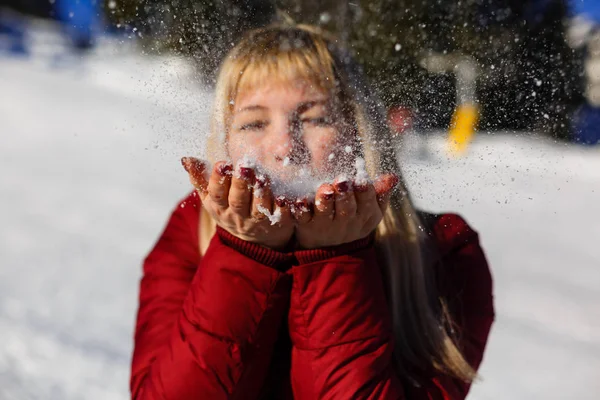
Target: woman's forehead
{"x": 279, "y": 93}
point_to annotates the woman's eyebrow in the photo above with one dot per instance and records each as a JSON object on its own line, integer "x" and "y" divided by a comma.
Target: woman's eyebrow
{"x": 252, "y": 107}
{"x": 307, "y": 105}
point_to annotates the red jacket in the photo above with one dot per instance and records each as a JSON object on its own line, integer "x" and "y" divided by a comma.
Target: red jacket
{"x": 246, "y": 322}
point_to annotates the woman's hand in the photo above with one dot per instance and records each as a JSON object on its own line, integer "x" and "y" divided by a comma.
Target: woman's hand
{"x": 342, "y": 212}
{"x": 242, "y": 203}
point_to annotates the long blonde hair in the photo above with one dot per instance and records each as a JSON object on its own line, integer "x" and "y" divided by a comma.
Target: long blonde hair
{"x": 422, "y": 341}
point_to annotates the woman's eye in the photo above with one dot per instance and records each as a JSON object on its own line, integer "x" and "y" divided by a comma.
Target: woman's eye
{"x": 319, "y": 121}
{"x": 253, "y": 126}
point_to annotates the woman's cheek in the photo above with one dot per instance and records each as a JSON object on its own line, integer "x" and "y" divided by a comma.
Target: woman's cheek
{"x": 323, "y": 152}
{"x": 319, "y": 155}
{"x": 245, "y": 146}
{"x": 234, "y": 146}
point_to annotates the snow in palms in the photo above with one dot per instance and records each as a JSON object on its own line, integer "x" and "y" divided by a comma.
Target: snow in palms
{"x": 90, "y": 160}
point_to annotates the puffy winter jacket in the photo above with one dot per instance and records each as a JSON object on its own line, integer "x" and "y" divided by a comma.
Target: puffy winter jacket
{"x": 246, "y": 322}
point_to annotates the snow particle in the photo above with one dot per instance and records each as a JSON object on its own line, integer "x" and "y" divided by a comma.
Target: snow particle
{"x": 361, "y": 177}
{"x": 325, "y": 17}
{"x": 273, "y": 218}
{"x": 397, "y": 47}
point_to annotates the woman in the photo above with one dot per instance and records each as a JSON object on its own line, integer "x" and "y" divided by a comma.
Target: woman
{"x": 260, "y": 289}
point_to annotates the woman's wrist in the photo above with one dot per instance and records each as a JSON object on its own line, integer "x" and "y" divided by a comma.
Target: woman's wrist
{"x": 306, "y": 256}
{"x": 280, "y": 259}
{"x": 283, "y": 258}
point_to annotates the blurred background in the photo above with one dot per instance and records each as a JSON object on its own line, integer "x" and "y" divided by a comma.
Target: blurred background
{"x": 494, "y": 104}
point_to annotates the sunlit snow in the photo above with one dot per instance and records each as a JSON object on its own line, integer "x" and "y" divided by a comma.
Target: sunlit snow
{"x": 90, "y": 154}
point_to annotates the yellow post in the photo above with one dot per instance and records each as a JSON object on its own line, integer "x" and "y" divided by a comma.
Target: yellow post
{"x": 462, "y": 128}
{"x": 466, "y": 114}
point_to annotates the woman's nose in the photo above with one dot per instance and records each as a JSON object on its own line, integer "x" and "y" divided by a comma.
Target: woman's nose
{"x": 287, "y": 143}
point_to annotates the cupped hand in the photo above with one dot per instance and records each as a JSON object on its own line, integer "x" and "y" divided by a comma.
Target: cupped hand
{"x": 242, "y": 203}
{"x": 342, "y": 212}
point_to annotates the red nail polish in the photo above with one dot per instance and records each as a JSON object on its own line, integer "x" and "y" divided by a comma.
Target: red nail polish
{"x": 185, "y": 162}
{"x": 224, "y": 169}
{"x": 261, "y": 181}
{"x": 394, "y": 180}
{"x": 361, "y": 188}
{"x": 342, "y": 187}
{"x": 302, "y": 205}
{"x": 327, "y": 195}
{"x": 281, "y": 201}
{"x": 247, "y": 174}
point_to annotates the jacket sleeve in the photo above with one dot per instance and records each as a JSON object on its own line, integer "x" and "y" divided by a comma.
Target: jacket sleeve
{"x": 340, "y": 328}
{"x": 464, "y": 279}
{"x": 205, "y": 327}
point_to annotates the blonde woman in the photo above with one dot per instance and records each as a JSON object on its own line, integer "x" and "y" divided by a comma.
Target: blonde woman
{"x": 298, "y": 268}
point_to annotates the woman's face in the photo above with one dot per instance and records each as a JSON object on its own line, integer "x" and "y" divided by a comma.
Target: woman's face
{"x": 289, "y": 129}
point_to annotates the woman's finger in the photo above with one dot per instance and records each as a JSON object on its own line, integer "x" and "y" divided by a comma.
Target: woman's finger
{"x": 219, "y": 183}
{"x": 262, "y": 201}
{"x": 345, "y": 204}
{"x": 366, "y": 199}
{"x": 282, "y": 211}
{"x": 240, "y": 192}
{"x": 324, "y": 203}
{"x": 302, "y": 210}
{"x": 196, "y": 170}
{"x": 384, "y": 185}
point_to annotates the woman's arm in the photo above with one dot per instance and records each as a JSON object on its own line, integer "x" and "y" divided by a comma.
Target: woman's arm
{"x": 205, "y": 327}
{"x": 341, "y": 328}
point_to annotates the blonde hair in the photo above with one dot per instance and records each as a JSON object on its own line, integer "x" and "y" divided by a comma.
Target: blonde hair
{"x": 286, "y": 52}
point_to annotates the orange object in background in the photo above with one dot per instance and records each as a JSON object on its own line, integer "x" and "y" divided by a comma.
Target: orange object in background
{"x": 400, "y": 119}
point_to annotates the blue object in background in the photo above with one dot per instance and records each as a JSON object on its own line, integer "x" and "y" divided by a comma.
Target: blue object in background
{"x": 13, "y": 28}
{"x": 535, "y": 11}
{"x": 586, "y": 120}
{"x": 588, "y": 8}
{"x": 81, "y": 19}
{"x": 586, "y": 125}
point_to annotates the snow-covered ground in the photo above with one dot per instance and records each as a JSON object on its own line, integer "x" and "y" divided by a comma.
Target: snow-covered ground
{"x": 89, "y": 155}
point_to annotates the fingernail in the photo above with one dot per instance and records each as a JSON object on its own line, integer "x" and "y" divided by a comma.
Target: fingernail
{"x": 303, "y": 205}
{"x": 342, "y": 186}
{"x": 247, "y": 173}
{"x": 185, "y": 162}
{"x": 361, "y": 188}
{"x": 395, "y": 180}
{"x": 261, "y": 181}
{"x": 224, "y": 169}
{"x": 328, "y": 195}
{"x": 281, "y": 201}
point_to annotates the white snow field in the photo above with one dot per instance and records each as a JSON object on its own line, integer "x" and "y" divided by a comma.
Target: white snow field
{"x": 89, "y": 160}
